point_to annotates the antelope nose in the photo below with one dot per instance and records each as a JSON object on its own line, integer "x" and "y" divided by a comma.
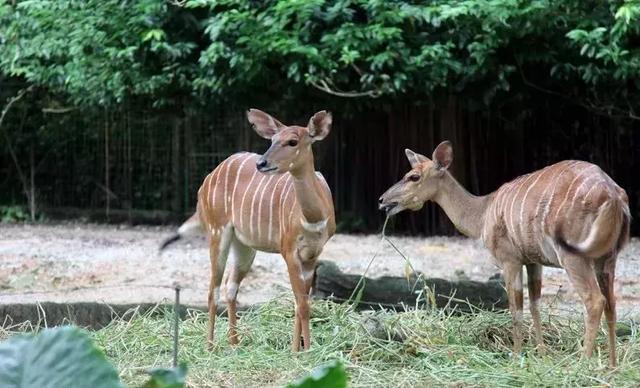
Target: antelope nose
{"x": 380, "y": 200}
{"x": 262, "y": 163}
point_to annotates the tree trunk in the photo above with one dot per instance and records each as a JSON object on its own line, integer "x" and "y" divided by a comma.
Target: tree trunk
{"x": 32, "y": 185}
{"x": 107, "y": 193}
{"x": 175, "y": 162}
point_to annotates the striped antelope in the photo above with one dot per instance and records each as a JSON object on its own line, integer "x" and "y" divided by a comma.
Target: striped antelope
{"x": 276, "y": 202}
{"x": 570, "y": 215}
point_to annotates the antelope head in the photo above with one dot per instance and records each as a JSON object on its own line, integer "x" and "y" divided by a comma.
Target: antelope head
{"x": 290, "y": 145}
{"x": 421, "y": 183}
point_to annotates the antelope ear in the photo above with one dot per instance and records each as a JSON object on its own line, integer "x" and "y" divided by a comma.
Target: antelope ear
{"x": 443, "y": 155}
{"x": 265, "y": 125}
{"x": 415, "y": 158}
{"x": 320, "y": 125}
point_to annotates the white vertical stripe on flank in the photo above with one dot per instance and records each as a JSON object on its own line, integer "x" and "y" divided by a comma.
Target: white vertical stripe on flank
{"x": 547, "y": 208}
{"x": 535, "y": 215}
{"x": 235, "y": 185}
{"x": 253, "y": 202}
{"x": 203, "y": 193}
{"x": 496, "y": 203}
{"x": 283, "y": 200}
{"x": 226, "y": 184}
{"x": 523, "y": 183}
{"x": 524, "y": 199}
{"x": 584, "y": 182}
{"x": 260, "y": 219}
{"x": 589, "y": 192}
{"x": 216, "y": 172}
{"x": 293, "y": 207}
{"x": 246, "y": 189}
{"x": 273, "y": 192}
{"x": 566, "y": 196}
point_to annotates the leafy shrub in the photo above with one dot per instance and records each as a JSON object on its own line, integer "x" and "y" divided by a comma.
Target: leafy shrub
{"x": 13, "y": 214}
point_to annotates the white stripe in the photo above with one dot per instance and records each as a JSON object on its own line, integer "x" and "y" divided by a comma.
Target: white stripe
{"x": 553, "y": 193}
{"x": 283, "y": 199}
{"x": 295, "y": 200}
{"x": 260, "y": 219}
{"x": 235, "y": 185}
{"x": 566, "y": 196}
{"x": 271, "y": 204}
{"x": 535, "y": 216}
{"x": 253, "y": 202}
{"x": 584, "y": 182}
{"x": 255, "y": 172}
{"x": 205, "y": 200}
{"x": 226, "y": 184}
{"x": 523, "y": 182}
{"x": 495, "y": 206}
{"x": 589, "y": 192}
{"x": 526, "y": 194}
{"x": 220, "y": 167}
{"x": 215, "y": 187}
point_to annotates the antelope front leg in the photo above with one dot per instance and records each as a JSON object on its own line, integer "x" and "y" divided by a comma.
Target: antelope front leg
{"x": 534, "y": 283}
{"x": 300, "y": 290}
{"x": 513, "y": 282}
{"x": 218, "y": 251}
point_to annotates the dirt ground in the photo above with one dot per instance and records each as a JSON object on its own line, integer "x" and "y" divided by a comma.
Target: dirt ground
{"x": 75, "y": 262}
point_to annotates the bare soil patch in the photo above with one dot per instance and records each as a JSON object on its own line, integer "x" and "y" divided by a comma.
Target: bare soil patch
{"x": 75, "y": 262}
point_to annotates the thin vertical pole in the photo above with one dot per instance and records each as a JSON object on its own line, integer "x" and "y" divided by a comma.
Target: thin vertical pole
{"x": 176, "y": 322}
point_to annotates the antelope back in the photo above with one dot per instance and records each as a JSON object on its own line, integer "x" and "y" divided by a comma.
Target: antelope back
{"x": 529, "y": 210}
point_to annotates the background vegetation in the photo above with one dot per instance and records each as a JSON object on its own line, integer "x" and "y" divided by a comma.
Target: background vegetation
{"x": 123, "y": 106}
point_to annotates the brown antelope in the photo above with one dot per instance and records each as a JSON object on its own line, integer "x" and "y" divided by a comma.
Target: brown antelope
{"x": 570, "y": 215}
{"x": 276, "y": 202}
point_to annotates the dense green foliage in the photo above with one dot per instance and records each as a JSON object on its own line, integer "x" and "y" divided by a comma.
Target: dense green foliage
{"x": 95, "y": 52}
{"x": 99, "y": 52}
{"x": 156, "y": 72}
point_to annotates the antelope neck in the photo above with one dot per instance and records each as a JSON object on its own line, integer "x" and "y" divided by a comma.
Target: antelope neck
{"x": 305, "y": 183}
{"x": 464, "y": 209}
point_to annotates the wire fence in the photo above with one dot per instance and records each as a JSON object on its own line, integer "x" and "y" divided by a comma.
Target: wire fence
{"x": 138, "y": 164}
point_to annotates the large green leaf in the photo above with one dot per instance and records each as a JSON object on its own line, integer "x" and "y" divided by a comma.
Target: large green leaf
{"x": 60, "y": 357}
{"x": 331, "y": 375}
{"x": 167, "y": 378}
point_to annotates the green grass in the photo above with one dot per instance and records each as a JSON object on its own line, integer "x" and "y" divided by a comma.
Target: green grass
{"x": 418, "y": 348}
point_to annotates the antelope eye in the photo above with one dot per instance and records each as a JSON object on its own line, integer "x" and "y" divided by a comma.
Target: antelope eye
{"x": 414, "y": 178}
{"x": 292, "y": 143}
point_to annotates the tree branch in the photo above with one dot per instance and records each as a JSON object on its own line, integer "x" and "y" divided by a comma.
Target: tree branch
{"x": 324, "y": 86}
{"x": 12, "y": 101}
{"x": 58, "y": 110}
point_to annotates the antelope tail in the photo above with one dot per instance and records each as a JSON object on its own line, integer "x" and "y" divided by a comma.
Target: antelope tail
{"x": 189, "y": 227}
{"x": 609, "y": 232}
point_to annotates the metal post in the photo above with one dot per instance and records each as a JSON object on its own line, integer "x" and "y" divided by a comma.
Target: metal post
{"x": 176, "y": 322}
